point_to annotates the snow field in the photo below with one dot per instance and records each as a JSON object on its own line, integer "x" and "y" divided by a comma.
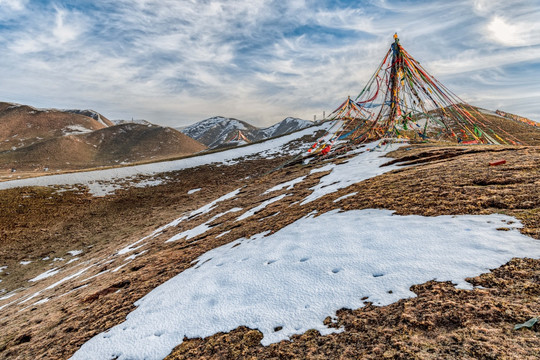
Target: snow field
{"x": 363, "y": 166}
{"x": 307, "y": 271}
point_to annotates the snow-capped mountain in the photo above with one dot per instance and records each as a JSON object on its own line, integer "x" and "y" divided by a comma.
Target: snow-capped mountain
{"x": 92, "y": 114}
{"x": 216, "y": 131}
{"x": 285, "y": 126}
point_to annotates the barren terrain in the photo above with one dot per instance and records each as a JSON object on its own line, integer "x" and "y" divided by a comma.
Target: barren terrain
{"x": 40, "y": 223}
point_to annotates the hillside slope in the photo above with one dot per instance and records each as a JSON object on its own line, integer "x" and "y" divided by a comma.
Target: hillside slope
{"x": 191, "y": 233}
{"x": 511, "y": 129}
{"x": 120, "y": 144}
{"x": 23, "y": 125}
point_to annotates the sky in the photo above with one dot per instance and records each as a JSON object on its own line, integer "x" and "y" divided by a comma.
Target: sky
{"x": 176, "y": 62}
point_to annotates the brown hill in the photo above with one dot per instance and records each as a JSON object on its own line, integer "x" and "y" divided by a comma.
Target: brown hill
{"x": 125, "y": 143}
{"x": 512, "y": 129}
{"x": 504, "y": 130}
{"x": 23, "y": 125}
{"x": 134, "y": 142}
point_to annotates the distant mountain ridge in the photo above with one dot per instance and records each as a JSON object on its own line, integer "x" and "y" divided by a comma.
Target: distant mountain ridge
{"x": 136, "y": 121}
{"x": 92, "y": 114}
{"x": 32, "y": 139}
{"x": 24, "y": 125}
{"x": 215, "y": 131}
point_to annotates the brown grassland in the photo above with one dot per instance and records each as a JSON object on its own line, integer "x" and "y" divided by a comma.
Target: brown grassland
{"x": 441, "y": 322}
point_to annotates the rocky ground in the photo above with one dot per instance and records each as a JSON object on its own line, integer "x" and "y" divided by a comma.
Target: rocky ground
{"x": 442, "y": 322}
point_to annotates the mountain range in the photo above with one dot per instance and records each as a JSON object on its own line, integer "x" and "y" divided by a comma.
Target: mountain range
{"x": 218, "y": 131}
{"x": 33, "y": 139}
{"x": 229, "y": 255}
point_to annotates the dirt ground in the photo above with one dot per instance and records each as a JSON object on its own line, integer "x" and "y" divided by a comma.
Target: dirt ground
{"x": 442, "y": 322}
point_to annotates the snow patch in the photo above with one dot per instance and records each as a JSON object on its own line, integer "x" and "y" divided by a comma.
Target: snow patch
{"x": 223, "y": 233}
{"x": 363, "y": 166}
{"x": 134, "y": 256}
{"x": 43, "y": 301}
{"x": 75, "y": 130}
{"x": 287, "y": 185}
{"x": 303, "y": 273}
{"x": 200, "y": 229}
{"x": 45, "y": 275}
{"x": 345, "y": 196}
{"x": 260, "y": 207}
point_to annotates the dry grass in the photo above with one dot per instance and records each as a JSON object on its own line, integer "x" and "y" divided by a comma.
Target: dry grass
{"x": 441, "y": 322}
{"x": 125, "y": 143}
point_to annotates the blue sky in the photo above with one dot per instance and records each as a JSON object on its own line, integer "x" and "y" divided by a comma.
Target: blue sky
{"x": 178, "y": 62}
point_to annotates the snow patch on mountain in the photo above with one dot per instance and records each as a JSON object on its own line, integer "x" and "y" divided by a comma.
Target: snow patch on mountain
{"x": 285, "y": 126}
{"x": 135, "y": 121}
{"x": 217, "y": 130}
{"x": 75, "y": 130}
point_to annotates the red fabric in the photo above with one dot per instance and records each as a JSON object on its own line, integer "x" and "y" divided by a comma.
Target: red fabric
{"x": 325, "y": 151}
{"x": 498, "y": 162}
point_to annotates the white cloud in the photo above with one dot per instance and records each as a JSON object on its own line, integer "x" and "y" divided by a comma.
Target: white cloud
{"x": 483, "y": 7}
{"x": 177, "y": 62}
{"x": 475, "y": 60}
{"x": 510, "y": 32}
{"x": 16, "y": 5}
{"x": 50, "y": 31}
{"x": 63, "y": 30}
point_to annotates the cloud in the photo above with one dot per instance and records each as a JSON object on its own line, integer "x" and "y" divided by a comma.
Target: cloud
{"x": 509, "y": 32}
{"x": 51, "y": 32}
{"x": 16, "y": 5}
{"x": 177, "y": 62}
